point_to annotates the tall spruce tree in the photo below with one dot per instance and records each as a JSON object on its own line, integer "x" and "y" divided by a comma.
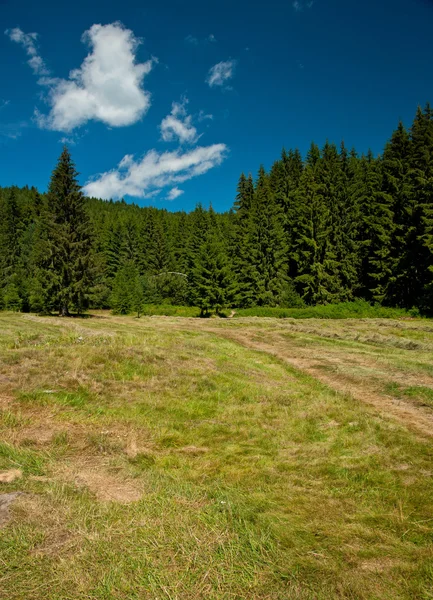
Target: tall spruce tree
{"x": 266, "y": 262}
{"x": 240, "y": 248}
{"x": 10, "y": 231}
{"x": 63, "y": 257}
{"x": 211, "y": 275}
{"x": 316, "y": 281}
{"x": 198, "y": 233}
{"x": 396, "y": 184}
{"x": 419, "y": 273}
{"x": 348, "y": 221}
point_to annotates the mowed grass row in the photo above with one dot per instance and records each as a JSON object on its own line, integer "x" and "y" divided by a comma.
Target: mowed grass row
{"x": 164, "y": 461}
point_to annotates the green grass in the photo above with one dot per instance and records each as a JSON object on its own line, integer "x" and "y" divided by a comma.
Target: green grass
{"x": 163, "y": 460}
{"x": 343, "y": 310}
{"x": 421, "y": 395}
{"x": 170, "y": 310}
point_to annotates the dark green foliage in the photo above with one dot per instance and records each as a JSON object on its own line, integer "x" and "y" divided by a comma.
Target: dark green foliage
{"x": 317, "y": 267}
{"x": 377, "y": 229}
{"x": 128, "y": 291}
{"x": 262, "y": 261}
{"x": 210, "y": 288}
{"x": 10, "y": 230}
{"x": 11, "y": 297}
{"x": 333, "y": 228}
{"x": 62, "y": 257}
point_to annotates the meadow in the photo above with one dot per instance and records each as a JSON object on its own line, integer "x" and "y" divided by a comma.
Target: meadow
{"x": 172, "y": 457}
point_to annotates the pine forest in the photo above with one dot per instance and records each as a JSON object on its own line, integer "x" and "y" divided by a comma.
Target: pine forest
{"x": 329, "y": 227}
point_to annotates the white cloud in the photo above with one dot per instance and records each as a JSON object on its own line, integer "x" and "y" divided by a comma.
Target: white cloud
{"x": 194, "y": 41}
{"x": 202, "y": 116}
{"x": 28, "y": 42}
{"x": 73, "y": 138}
{"x": 220, "y": 73}
{"x": 300, "y": 5}
{"x": 107, "y": 87}
{"x": 174, "y": 193}
{"x": 178, "y": 124}
{"x": 190, "y": 39}
{"x": 4, "y": 103}
{"x": 12, "y": 130}
{"x": 147, "y": 176}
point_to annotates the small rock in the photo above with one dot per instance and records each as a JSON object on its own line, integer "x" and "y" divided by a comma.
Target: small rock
{"x": 10, "y": 476}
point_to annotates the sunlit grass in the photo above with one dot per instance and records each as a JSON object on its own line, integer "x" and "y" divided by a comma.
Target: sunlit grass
{"x": 162, "y": 460}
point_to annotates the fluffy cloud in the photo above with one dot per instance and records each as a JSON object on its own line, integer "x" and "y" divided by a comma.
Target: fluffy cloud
{"x": 174, "y": 193}
{"x": 220, "y": 73}
{"x": 146, "y": 177}
{"x": 108, "y": 86}
{"x": 178, "y": 124}
{"x": 28, "y": 41}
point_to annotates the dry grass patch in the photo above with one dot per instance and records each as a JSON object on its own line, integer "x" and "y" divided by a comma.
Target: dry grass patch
{"x": 100, "y": 480}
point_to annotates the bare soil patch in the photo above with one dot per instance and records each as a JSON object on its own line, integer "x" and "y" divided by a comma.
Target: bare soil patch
{"x": 5, "y": 401}
{"x": 106, "y": 486}
{"x": 10, "y": 476}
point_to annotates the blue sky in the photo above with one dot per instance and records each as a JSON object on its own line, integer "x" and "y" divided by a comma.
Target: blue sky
{"x": 166, "y": 103}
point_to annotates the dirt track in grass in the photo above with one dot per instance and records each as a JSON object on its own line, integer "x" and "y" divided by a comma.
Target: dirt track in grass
{"x": 358, "y": 374}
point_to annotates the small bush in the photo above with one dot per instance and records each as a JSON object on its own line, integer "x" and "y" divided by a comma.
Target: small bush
{"x": 170, "y": 310}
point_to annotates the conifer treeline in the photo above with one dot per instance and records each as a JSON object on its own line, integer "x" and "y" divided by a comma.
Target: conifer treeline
{"x": 333, "y": 227}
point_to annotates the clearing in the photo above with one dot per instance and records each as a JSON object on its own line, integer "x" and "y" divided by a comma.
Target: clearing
{"x": 181, "y": 458}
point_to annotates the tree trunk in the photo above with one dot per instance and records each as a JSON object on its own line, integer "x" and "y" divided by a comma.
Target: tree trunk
{"x": 64, "y": 312}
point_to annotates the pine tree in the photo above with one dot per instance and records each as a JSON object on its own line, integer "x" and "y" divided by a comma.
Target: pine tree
{"x": 264, "y": 272}
{"x": 158, "y": 255}
{"x": 63, "y": 257}
{"x": 396, "y": 184}
{"x": 284, "y": 181}
{"x": 11, "y": 297}
{"x": 198, "y": 234}
{"x": 211, "y": 281}
{"x": 348, "y": 222}
{"x": 113, "y": 249}
{"x": 239, "y": 247}
{"x": 375, "y": 229}
{"x": 10, "y": 225}
{"x": 333, "y": 183}
{"x": 316, "y": 261}
{"x": 419, "y": 274}
{"x": 128, "y": 293}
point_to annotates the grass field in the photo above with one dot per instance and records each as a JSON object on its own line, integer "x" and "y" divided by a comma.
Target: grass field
{"x": 182, "y": 458}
